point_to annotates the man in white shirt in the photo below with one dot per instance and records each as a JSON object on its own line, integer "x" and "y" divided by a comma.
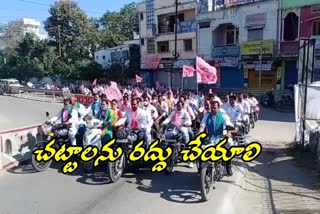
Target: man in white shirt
{"x": 138, "y": 118}
{"x": 245, "y": 105}
{"x": 68, "y": 117}
{"x": 233, "y": 110}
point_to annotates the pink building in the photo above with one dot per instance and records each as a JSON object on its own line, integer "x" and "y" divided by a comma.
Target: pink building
{"x": 310, "y": 21}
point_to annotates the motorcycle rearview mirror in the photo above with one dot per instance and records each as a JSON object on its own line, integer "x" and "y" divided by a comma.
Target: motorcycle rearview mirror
{"x": 47, "y": 114}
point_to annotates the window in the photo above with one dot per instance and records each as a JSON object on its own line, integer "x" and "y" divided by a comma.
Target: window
{"x": 181, "y": 17}
{"x": 149, "y": 5}
{"x": 150, "y": 46}
{"x": 315, "y": 8}
{"x": 142, "y": 41}
{"x": 163, "y": 46}
{"x": 187, "y": 44}
{"x": 204, "y": 25}
{"x": 255, "y": 34}
{"x": 232, "y": 35}
{"x": 104, "y": 57}
{"x": 150, "y": 19}
{"x": 141, "y": 16}
{"x": 290, "y": 29}
{"x": 316, "y": 28}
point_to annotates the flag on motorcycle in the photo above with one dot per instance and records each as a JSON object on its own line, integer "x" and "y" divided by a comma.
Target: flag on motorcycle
{"x": 188, "y": 71}
{"x": 206, "y": 73}
{"x": 138, "y": 79}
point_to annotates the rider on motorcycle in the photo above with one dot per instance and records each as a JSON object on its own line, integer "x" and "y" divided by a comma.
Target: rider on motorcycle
{"x": 180, "y": 118}
{"x": 235, "y": 112}
{"x": 137, "y": 118}
{"x": 95, "y": 107}
{"x": 214, "y": 123}
{"x": 108, "y": 118}
{"x": 68, "y": 117}
{"x": 151, "y": 109}
{"x": 245, "y": 107}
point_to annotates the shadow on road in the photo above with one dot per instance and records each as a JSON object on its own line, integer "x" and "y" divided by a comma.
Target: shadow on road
{"x": 276, "y": 116}
{"x": 180, "y": 187}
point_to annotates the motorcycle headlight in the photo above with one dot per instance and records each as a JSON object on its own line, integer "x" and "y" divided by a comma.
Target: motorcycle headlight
{"x": 47, "y": 129}
{"x": 132, "y": 137}
{"x": 62, "y": 132}
{"x": 121, "y": 134}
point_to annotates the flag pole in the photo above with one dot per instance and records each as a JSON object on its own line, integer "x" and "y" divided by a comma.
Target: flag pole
{"x": 182, "y": 80}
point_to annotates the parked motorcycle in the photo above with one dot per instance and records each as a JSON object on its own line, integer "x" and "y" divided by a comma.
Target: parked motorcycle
{"x": 59, "y": 132}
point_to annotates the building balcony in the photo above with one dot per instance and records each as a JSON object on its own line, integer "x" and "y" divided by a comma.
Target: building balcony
{"x": 183, "y": 27}
{"x": 290, "y": 48}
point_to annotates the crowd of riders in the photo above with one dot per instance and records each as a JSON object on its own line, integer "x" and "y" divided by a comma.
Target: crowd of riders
{"x": 192, "y": 113}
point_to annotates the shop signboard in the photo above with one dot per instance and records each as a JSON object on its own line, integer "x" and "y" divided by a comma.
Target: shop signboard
{"x": 187, "y": 26}
{"x": 227, "y": 56}
{"x": 252, "y": 50}
{"x": 181, "y": 62}
{"x": 166, "y": 63}
{"x": 150, "y": 61}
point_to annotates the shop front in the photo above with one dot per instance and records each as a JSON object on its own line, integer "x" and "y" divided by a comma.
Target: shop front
{"x": 231, "y": 76}
{"x": 258, "y": 56}
{"x": 149, "y": 66}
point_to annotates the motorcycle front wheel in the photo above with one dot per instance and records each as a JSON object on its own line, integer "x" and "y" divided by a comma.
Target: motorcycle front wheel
{"x": 206, "y": 178}
{"x": 171, "y": 162}
{"x": 116, "y": 168}
{"x": 42, "y": 165}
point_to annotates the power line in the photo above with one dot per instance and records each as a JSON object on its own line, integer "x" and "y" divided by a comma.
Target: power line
{"x": 42, "y": 4}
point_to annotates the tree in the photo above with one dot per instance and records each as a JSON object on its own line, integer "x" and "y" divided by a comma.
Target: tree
{"x": 70, "y": 25}
{"x": 117, "y": 27}
{"x": 11, "y": 34}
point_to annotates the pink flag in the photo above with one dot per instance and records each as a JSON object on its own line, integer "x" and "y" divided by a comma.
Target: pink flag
{"x": 138, "y": 79}
{"x": 113, "y": 92}
{"x": 206, "y": 73}
{"x": 113, "y": 83}
{"x": 188, "y": 71}
{"x": 158, "y": 85}
{"x": 94, "y": 82}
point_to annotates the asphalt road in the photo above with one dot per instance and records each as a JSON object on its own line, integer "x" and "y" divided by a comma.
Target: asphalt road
{"x": 17, "y": 112}
{"x": 23, "y": 191}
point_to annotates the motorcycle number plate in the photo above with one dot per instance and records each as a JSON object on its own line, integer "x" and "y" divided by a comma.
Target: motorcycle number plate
{"x": 171, "y": 141}
{"x": 122, "y": 141}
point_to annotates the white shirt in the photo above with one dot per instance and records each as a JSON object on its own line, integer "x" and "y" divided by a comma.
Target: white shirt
{"x": 164, "y": 107}
{"x": 234, "y": 112}
{"x": 186, "y": 119}
{"x": 152, "y": 110}
{"x": 245, "y": 106}
{"x": 143, "y": 117}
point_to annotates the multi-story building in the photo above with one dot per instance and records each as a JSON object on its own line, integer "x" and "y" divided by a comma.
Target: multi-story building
{"x": 157, "y": 40}
{"x": 31, "y": 26}
{"x": 231, "y": 34}
{"x": 127, "y": 55}
{"x": 298, "y": 19}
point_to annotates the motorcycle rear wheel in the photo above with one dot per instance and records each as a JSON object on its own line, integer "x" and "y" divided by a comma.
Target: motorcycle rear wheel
{"x": 206, "y": 182}
{"x": 39, "y": 166}
{"x": 116, "y": 169}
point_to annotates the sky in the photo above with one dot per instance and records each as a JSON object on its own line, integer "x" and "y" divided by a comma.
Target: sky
{"x": 38, "y": 9}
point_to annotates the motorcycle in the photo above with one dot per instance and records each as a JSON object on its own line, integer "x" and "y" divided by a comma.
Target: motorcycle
{"x": 175, "y": 140}
{"x": 252, "y": 120}
{"x": 59, "y": 132}
{"x": 126, "y": 139}
{"x": 210, "y": 172}
{"x": 92, "y": 137}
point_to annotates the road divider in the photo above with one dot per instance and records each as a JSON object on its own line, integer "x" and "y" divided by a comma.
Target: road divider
{"x": 16, "y": 145}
